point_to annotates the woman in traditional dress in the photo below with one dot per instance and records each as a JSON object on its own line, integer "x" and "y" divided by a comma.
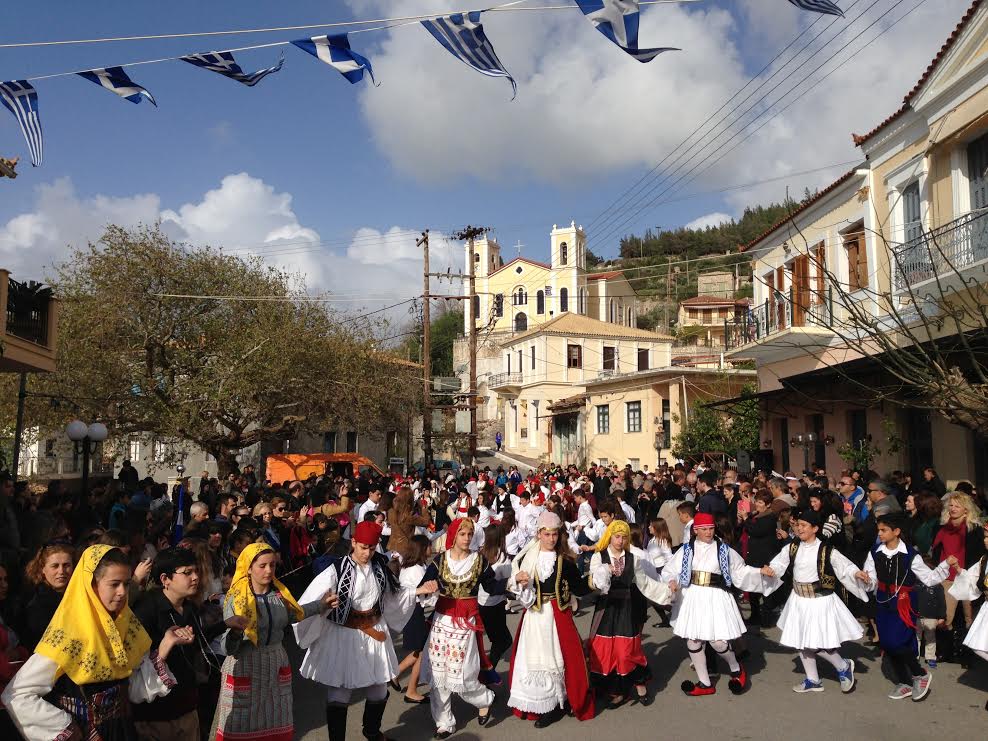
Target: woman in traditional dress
{"x": 626, "y": 578}
{"x": 256, "y": 695}
{"x": 548, "y": 668}
{"x": 94, "y": 659}
{"x": 456, "y": 656}
{"x": 970, "y": 584}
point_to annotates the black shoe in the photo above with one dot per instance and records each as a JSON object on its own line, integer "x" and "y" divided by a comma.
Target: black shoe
{"x": 393, "y": 684}
{"x": 442, "y": 734}
{"x": 547, "y": 719}
{"x": 483, "y": 720}
{"x": 410, "y": 701}
{"x": 644, "y": 700}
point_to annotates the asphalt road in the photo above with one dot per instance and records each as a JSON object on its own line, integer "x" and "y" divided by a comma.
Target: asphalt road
{"x": 769, "y": 710}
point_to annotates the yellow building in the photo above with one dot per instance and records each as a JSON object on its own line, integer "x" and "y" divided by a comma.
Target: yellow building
{"x": 558, "y": 360}
{"x": 634, "y": 418}
{"x": 702, "y": 320}
{"x": 28, "y": 328}
{"x": 524, "y": 294}
{"x": 889, "y": 244}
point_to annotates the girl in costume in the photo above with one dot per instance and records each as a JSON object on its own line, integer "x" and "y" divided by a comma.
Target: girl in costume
{"x": 704, "y": 571}
{"x": 626, "y": 578}
{"x": 94, "y": 659}
{"x": 548, "y": 667}
{"x": 351, "y": 647}
{"x": 970, "y": 584}
{"x": 815, "y": 621}
{"x": 456, "y": 659}
{"x": 256, "y": 695}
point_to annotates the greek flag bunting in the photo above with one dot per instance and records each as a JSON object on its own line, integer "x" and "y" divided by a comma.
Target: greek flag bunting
{"x": 462, "y": 35}
{"x": 336, "y": 52}
{"x": 819, "y": 6}
{"x": 20, "y": 98}
{"x": 117, "y": 81}
{"x": 222, "y": 63}
{"x": 618, "y": 21}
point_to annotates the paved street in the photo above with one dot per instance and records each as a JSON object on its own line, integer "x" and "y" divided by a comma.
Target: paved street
{"x": 769, "y": 711}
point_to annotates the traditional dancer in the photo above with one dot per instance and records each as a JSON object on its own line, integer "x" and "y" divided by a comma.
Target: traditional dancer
{"x": 704, "y": 571}
{"x": 548, "y": 668}
{"x": 626, "y": 578}
{"x": 815, "y": 620}
{"x": 351, "y": 648}
{"x": 893, "y": 570}
{"x": 93, "y": 658}
{"x": 455, "y": 656}
{"x": 256, "y": 694}
{"x": 970, "y": 584}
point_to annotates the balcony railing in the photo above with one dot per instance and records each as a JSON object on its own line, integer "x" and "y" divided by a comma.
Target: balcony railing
{"x": 499, "y": 380}
{"x": 781, "y": 312}
{"x": 948, "y": 248}
{"x": 27, "y": 311}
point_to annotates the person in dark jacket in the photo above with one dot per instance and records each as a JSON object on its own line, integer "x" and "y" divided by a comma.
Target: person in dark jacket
{"x": 760, "y": 525}
{"x": 711, "y": 501}
{"x": 175, "y": 716}
{"x": 49, "y": 571}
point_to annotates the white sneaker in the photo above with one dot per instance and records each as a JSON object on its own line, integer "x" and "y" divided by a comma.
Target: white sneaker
{"x": 921, "y": 686}
{"x": 808, "y": 686}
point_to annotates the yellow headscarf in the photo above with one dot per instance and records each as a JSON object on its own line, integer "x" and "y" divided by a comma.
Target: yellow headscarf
{"x": 242, "y": 596}
{"x": 86, "y": 642}
{"x": 617, "y": 527}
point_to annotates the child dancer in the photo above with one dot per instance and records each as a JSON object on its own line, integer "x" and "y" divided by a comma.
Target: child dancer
{"x": 970, "y": 584}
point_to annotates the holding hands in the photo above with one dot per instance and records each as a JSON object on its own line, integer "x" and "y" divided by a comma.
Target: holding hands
{"x": 175, "y": 636}
{"x": 430, "y": 587}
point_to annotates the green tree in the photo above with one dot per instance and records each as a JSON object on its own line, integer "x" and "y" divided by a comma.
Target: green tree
{"x": 744, "y": 423}
{"x": 141, "y": 350}
{"x": 702, "y": 433}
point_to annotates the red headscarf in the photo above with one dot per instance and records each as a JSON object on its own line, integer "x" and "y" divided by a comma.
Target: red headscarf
{"x": 454, "y": 528}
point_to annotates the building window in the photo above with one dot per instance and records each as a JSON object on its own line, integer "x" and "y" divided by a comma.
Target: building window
{"x": 912, "y": 222}
{"x": 329, "y": 442}
{"x": 476, "y": 257}
{"x": 563, "y": 299}
{"x": 708, "y": 316}
{"x": 134, "y": 449}
{"x": 574, "y": 356}
{"x": 628, "y": 323}
{"x": 610, "y": 359}
{"x": 603, "y": 419}
{"x": 540, "y": 302}
{"x": 520, "y": 366}
{"x": 50, "y": 448}
{"x": 158, "y": 451}
{"x": 642, "y": 358}
{"x": 601, "y": 461}
{"x": 521, "y": 322}
{"x": 533, "y": 357}
{"x": 635, "y": 464}
{"x": 634, "y": 416}
{"x": 977, "y": 172}
{"x": 351, "y": 442}
{"x": 499, "y": 305}
{"x": 519, "y": 297}
{"x": 857, "y": 420}
{"x": 666, "y": 425}
{"x": 563, "y": 253}
{"x": 509, "y": 362}
{"x": 857, "y": 258}
{"x": 581, "y": 301}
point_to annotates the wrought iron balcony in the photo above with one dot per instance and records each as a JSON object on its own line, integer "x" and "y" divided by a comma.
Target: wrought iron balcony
{"x": 781, "y": 312}
{"x": 27, "y": 311}
{"x": 503, "y": 380}
{"x": 947, "y": 249}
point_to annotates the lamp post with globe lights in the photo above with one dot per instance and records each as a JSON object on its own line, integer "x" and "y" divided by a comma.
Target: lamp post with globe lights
{"x": 85, "y": 440}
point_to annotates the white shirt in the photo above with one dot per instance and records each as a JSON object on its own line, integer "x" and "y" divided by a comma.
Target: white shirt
{"x": 366, "y": 507}
{"x": 659, "y": 553}
{"x": 584, "y": 515}
{"x": 687, "y": 531}
{"x": 478, "y": 539}
{"x": 629, "y": 512}
{"x": 927, "y": 576}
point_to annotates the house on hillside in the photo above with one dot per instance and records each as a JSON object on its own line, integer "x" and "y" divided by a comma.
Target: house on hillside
{"x": 888, "y": 262}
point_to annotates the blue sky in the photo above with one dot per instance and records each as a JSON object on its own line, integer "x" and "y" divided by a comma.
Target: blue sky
{"x": 436, "y": 145}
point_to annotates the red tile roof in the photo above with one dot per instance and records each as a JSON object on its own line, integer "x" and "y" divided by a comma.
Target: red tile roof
{"x": 523, "y": 259}
{"x": 604, "y": 276}
{"x": 860, "y": 139}
{"x": 833, "y": 186}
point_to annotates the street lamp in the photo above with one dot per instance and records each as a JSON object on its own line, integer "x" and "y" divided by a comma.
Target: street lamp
{"x": 85, "y": 439}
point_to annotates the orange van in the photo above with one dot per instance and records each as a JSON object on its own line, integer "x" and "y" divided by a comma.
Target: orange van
{"x": 290, "y": 466}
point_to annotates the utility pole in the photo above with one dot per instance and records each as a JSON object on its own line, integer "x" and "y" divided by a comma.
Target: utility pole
{"x": 423, "y": 242}
{"x": 470, "y": 233}
{"x": 19, "y": 428}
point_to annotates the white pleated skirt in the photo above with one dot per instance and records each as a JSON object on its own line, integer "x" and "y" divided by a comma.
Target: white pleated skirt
{"x": 706, "y": 614}
{"x": 817, "y": 623}
{"x": 977, "y": 636}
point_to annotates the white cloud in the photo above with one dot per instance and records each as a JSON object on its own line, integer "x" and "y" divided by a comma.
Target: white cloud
{"x": 708, "y": 220}
{"x": 585, "y": 109}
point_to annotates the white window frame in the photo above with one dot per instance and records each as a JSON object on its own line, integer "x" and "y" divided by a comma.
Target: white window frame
{"x": 627, "y": 416}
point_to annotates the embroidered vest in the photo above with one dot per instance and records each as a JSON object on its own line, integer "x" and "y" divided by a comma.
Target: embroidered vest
{"x": 824, "y": 569}
{"x": 897, "y": 570}
{"x": 560, "y": 589}
{"x": 460, "y": 587}
{"x": 346, "y": 573}
{"x": 723, "y": 560}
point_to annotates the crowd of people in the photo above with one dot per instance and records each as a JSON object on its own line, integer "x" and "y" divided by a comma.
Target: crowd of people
{"x": 134, "y": 611}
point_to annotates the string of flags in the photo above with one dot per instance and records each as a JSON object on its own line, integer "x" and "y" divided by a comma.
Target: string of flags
{"x": 461, "y": 34}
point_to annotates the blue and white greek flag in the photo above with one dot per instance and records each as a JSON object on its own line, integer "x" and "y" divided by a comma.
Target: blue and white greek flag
{"x": 462, "y": 34}
{"x": 117, "y": 81}
{"x": 336, "y": 52}
{"x": 819, "y": 6}
{"x": 618, "y": 21}
{"x": 21, "y": 99}
{"x": 222, "y": 63}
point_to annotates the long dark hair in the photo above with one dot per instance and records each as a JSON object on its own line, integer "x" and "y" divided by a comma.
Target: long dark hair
{"x": 493, "y": 547}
